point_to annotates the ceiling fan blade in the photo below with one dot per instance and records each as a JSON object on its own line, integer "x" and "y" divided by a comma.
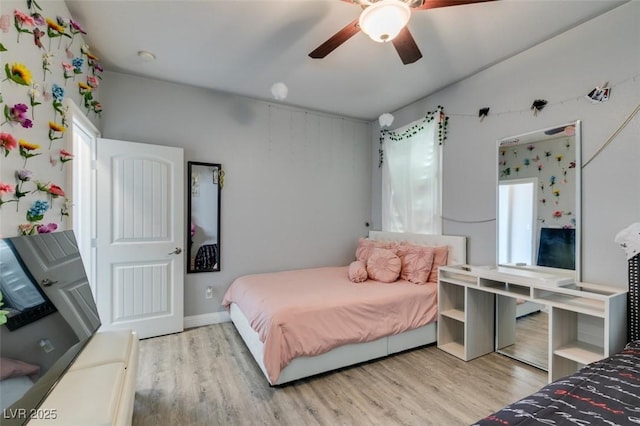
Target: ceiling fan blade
{"x": 336, "y": 40}
{"x": 406, "y": 47}
{"x": 433, "y": 4}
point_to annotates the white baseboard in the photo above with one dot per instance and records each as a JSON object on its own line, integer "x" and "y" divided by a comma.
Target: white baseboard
{"x": 206, "y": 319}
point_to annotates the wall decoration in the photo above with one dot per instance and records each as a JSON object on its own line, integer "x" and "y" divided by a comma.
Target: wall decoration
{"x": 386, "y": 119}
{"x": 64, "y": 156}
{"x": 45, "y": 63}
{"x": 438, "y": 113}
{"x": 6, "y": 188}
{"x": 279, "y": 91}
{"x": 17, "y": 114}
{"x": 599, "y": 94}
{"x": 5, "y": 23}
{"x": 28, "y": 150}
{"x": 7, "y": 143}
{"x": 630, "y": 80}
{"x": 538, "y": 105}
{"x": 483, "y": 113}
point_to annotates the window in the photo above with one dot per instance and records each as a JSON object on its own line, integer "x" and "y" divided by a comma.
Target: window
{"x": 412, "y": 176}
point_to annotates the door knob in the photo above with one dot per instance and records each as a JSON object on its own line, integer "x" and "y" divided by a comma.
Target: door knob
{"x": 178, "y": 250}
{"x": 47, "y": 282}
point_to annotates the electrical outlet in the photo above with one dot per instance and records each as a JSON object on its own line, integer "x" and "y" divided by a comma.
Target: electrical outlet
{"x": 209, "y": 293}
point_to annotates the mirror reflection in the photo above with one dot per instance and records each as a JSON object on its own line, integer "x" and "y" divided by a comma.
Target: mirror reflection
{"x": 522, "y": 331}
{"x": 538, "y": 217}
{"x": 50, "y": 314}
{"x": 203, "y": 249}
{"x": 538, "y": 203}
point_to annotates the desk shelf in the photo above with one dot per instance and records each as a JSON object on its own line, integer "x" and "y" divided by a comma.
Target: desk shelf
{"x": 455, "y": 314}
{"x": 579, "y": 336}
{"x": 505, "y": 288}
{"x": 577, "y": 304}
{"x": 587, "y": 322}
{"x": 581, "y": 352}
{"x": 460, "y": 274}
{"x": 465, "y": 318}
{"x": 454, "y": 348}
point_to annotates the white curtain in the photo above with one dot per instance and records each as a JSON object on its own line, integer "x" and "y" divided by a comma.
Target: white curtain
{"x": 411, "y": 179}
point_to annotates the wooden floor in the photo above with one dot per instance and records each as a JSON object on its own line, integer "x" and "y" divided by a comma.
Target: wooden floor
{"x": 206, "y": 376}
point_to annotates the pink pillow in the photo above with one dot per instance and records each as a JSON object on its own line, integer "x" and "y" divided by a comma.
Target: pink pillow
{"x": 440, "y": 258}
{"x": 15, "y": 368}
{"x": 358, "y": 272}
{"x": 365, "y": 246}
{"x": 383, "y": 265}
{"x": 416, "y": 262}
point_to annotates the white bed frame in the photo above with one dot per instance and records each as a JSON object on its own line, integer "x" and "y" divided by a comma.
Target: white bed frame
{"x": 350, "y": 354}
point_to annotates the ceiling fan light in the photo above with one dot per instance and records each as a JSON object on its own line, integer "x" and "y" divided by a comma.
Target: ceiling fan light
{"x": 384, "y": 19}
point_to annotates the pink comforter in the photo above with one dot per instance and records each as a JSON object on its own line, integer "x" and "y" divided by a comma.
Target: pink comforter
{"x": 310, "y": 311}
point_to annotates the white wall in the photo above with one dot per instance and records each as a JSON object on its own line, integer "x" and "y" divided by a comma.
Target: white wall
{"x": 297, "y": 184}
{"x": 561, "y": 70}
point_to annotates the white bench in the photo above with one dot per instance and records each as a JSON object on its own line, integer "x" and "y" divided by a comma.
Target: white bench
{"x": 99, "y": 387}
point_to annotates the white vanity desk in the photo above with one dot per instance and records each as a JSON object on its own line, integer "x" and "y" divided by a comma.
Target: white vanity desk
{"x": 587, "y": 322}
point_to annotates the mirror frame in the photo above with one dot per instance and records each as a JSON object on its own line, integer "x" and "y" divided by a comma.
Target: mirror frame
{"x": 217, "y": 181}
{"x": 538, "y": 136}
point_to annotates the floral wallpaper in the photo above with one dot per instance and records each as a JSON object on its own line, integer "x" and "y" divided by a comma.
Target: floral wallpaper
{"x": 553, "y": 162}
{"x": 45, "y": 62}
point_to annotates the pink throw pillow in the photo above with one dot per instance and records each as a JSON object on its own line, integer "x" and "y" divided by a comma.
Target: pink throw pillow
{"x": 416, "y": 262}
{"x": 440, "y": 258}
{"x": 358, "y": 272}
{"x": 365, "y": 246}
{"x": 15, "y": 368}
{"x": 383, "y": 265}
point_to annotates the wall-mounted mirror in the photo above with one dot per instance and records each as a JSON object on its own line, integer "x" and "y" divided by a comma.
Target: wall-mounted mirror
{"x": 539, "y": 199}
{"x": 203, "y": 248}
{"x": 538, "y": 227}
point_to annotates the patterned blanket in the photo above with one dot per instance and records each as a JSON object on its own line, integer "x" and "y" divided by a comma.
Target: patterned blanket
{"x": 606, "y": 392}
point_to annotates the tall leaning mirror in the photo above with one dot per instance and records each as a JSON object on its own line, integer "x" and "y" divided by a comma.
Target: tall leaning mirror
{"x": 538, "y": 227}
{"x": 203, "y": 211}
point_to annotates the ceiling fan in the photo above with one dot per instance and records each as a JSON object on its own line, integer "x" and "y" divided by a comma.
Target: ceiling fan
{"x": 384, "y": 21}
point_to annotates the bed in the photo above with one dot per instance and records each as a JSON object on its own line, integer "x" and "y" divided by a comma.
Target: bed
{"x": 604, "y": 392}
{"x": 392, "y": 325}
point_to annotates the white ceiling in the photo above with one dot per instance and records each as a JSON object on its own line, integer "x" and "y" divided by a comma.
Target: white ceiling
{"x": 245, "y": 46}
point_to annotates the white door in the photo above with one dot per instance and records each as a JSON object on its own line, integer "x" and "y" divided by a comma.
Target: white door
{"x": 140, "y": 234}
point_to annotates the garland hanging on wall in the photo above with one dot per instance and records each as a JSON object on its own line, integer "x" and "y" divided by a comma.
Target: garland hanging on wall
{"x": 438, "y": 114}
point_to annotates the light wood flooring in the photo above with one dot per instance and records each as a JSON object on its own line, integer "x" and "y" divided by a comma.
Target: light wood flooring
{"x": 206, "y": 376}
